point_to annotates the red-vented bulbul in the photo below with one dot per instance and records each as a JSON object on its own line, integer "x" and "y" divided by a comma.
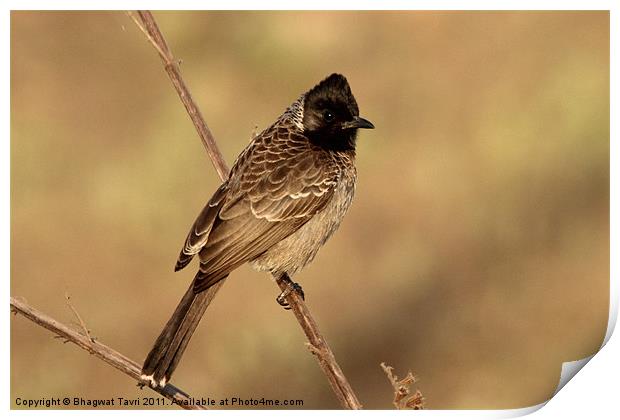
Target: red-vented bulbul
{"x": 286, "y": 195}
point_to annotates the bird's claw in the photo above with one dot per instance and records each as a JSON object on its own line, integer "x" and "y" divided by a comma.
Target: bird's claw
{"x": 291, "y": 287}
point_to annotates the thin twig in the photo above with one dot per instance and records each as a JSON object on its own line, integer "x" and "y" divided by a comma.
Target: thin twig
{"x": 79, "y": 318}
{"x": 161, "y": 53}
{"x": 339, "y": 383}
{"x": 103, "y": 352}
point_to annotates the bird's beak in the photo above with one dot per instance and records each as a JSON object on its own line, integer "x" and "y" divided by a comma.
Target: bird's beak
{"x": 357, "y": 122}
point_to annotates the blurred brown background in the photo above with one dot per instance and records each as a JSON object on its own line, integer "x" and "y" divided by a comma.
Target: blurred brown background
{"x": 476, "y": 252}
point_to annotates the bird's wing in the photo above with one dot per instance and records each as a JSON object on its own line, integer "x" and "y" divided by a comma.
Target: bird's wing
{"x": 280, "y": 185}
{"x": 199, "y": 233}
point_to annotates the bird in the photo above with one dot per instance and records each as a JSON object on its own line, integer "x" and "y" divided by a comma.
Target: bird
{"x": 285, "y": 195}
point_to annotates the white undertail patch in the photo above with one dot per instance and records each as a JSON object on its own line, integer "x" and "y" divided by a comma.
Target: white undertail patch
{"x": 151, "y": 380}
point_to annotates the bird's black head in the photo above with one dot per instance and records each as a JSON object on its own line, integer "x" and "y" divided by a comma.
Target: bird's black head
{"x": 331, "y": 116}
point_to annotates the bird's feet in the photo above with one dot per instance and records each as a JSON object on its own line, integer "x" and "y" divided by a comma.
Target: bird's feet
{"x": 291, "y": 287}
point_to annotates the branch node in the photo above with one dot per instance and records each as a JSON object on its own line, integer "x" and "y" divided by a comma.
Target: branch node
{"x": 65, "y": 340}
{"x": 314, "y": 350}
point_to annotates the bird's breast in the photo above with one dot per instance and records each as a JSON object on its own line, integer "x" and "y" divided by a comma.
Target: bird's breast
{"x": 297, "y": 250}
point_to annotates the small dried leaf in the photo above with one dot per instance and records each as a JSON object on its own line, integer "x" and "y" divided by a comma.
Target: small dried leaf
{"x": 402, "y": 398}
{"x": 416, "y": 402}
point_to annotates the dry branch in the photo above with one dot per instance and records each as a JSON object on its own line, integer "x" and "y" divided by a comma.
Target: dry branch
{"x": 320, "y": 349}
{"x": 103, "y": 352}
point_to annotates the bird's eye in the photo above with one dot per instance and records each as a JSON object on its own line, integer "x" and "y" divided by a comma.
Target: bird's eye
{"x": 328, "y": 116}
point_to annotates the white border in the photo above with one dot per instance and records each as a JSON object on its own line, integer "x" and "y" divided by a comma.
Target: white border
{"x": 592, "y": 394}
{"x": 312, "y": 5}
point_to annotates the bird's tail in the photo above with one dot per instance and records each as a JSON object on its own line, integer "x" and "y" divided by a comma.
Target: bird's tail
{"x": 171, "y": 343}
